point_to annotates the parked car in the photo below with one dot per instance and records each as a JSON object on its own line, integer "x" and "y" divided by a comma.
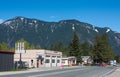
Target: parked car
{"x": 102, "y": 64}
{"x": 21, "y": 64}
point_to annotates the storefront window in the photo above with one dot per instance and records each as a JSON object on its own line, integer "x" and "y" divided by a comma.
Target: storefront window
{"x": 58, "y": 56}
{"x": 47, "y": 61}
{"x": 53, "y": 56}
{"x": 53, "y": 61}
{"x": 47, "y": 55}
{"x": 58, "y": 61}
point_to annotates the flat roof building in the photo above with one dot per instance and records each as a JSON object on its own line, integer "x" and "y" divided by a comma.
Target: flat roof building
{"x": 40, "y": 58}
{"x": 6, "y": 60}
{"x": 69, "y": 61}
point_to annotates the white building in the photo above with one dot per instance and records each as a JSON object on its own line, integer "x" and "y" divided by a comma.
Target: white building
{"x": 40, "y": 58}
{"x": 86, "y": 59}
{"x": 69, "y": 61}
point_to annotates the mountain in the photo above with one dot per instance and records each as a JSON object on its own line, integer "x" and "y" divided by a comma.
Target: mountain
{"x": 45, "y": 33}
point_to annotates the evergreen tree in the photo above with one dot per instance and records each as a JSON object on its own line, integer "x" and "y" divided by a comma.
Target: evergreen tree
{"x": 57, "y": 47}
{"x": 97, "y": 57}
{"x": 52, "y": 47}
{"x": 107, "y": 51}
{"x": 38, "y": 47}
{"x": 102, "y": 50}
{"x": 74, "y": 47}
{"x": 32, "y": 46}
{"x": 85, "y": 49}
{"x": 60, "y": 47}
{"x": 117, "y": 58}
{"x": 65, "y": 51}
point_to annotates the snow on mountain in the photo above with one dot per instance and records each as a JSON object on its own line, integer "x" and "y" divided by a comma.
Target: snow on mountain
{"x": 88, "y": 27}
{"x": 36, "y": 26}
{"x": 30, "y": 23}
{"x": 96, "y": 30}
{"x": 107, "y": 30}
{"x": 52, "y": 28}
{"x": 7, "y": 22}
{"x": 11, "y": 27}
{"x": 37, "y": 31}
{"x": 22, "y": 19}
{"x": 73, "y": 27}
{"x": 35, "y": 21}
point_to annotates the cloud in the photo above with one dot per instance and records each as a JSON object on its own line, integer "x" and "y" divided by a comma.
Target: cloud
{"x": 1, "y": 21}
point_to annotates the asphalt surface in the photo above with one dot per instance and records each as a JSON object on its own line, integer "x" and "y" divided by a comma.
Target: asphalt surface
{"x": 115, "y": 73}
{"x": 93, "y": 71}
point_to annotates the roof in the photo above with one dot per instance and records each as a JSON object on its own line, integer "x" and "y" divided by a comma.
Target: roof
{"x": 6, "y": 51}
{"x": 70, "y": 57}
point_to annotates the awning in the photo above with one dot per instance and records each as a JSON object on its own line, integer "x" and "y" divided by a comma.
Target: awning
{"x": 40, "y": 57}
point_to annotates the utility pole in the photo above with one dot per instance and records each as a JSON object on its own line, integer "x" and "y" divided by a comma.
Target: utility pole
{"x": 20, "y": 60}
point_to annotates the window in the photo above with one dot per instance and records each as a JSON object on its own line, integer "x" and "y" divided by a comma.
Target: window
{"x": 53, "y": 56}
{"x": 63, "y": 62}
{"x": 58, "y": 61}
{"x": 47, "y": 55}
{"x": 53, "y": 60}
{"x": 58, "y": 56}
{"x": 47, "y": 61}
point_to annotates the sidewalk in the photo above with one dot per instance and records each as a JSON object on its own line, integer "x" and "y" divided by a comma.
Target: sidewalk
{"x": 116, "y": 73}
{"x": 34, "y": 70}
{"x": 28, "y": 70}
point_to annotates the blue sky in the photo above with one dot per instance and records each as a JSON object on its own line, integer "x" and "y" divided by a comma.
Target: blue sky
{"x": 102, "y": 13}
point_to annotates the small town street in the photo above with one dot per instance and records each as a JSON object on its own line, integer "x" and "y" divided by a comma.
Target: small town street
{"x": 89, "y": 71}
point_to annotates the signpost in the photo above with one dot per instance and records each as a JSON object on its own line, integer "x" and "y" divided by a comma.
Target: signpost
{"x": 20, "y": 49}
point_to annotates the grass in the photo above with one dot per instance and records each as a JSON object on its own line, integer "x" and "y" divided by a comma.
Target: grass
{"x": 23, "y": 69}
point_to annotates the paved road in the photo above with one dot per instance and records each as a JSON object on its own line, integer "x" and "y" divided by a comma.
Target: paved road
{"x": 68, "y": 72}
{"x": 116, "y": 73}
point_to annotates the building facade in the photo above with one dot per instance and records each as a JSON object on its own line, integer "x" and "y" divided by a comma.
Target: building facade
{"x": 6, "y": 60}
{"x": 40, "y": 58}
{"x": 86, "y": 59}
{"x": 69, "y": 61}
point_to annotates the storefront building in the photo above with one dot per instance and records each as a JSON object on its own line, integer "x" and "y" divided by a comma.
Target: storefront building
{"x": 40, "y": 58}
{"x": 69, "y": 61}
